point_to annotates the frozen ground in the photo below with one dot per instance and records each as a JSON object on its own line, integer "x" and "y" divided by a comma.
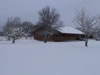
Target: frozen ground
{"x": 30, "y": 57}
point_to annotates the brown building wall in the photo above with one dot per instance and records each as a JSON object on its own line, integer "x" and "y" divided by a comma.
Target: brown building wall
{"x": 37, "y": 36}
{"x": 66, "y": 37}
{"x": 58, "y": 37}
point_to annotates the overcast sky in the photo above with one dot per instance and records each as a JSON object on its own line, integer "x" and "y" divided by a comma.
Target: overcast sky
{"x": 27, "y": 10}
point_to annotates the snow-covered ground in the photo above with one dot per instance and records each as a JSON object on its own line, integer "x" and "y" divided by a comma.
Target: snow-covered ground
{"x": 30, "y": 57}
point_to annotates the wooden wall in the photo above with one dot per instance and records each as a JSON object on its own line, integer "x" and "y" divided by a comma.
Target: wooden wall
{"x": 58, "y": 37}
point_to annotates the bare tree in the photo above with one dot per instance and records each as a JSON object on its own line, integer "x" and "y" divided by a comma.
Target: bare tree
{"x": 96, "y": 30}
{"x": 8, "y": 28}
{"x": 49, "y": 19}
{"x": 12, "y": 28}
{"x": 27, "y": 28}
{"x": 85, "y": 23}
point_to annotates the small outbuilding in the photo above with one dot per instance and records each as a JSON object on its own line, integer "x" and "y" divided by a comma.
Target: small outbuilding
{"x": 62, "y": 34}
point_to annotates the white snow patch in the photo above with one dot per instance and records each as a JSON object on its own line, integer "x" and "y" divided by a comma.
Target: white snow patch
{"x": 30, "y": 57}
{"x": 70, "y": 30}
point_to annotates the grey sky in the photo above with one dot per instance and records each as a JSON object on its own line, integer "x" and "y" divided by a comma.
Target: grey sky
{"x": 28, "y": 9}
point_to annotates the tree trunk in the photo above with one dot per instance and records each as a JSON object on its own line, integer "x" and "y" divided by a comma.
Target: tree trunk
{"x": 86, "y": 41}
{"x": 13, "y": 40}
{"x": 46, "y": 38}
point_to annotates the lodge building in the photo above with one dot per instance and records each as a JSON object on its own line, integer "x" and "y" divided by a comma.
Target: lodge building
{"x": 62, "y": 34}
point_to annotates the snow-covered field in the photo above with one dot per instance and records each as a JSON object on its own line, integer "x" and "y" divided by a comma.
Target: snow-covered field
{"x": 30, "y": 57}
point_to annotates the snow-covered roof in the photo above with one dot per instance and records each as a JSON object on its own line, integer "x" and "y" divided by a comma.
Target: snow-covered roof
{"x": 70, "y": 30}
